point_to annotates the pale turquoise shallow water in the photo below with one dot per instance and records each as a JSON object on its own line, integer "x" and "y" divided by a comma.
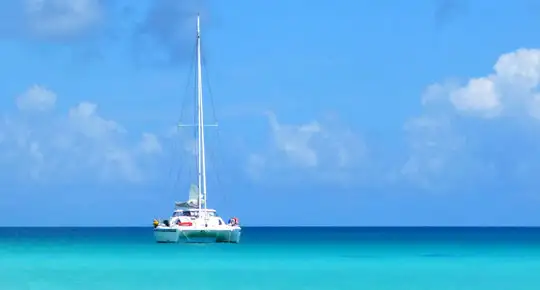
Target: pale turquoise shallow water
{"x": 273, "y": 258}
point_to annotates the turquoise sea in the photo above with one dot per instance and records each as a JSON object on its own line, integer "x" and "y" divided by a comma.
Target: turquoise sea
{"x": 273, "y": 258}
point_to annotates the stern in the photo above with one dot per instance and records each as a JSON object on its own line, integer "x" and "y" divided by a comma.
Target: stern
{"x": 166, "y": 235}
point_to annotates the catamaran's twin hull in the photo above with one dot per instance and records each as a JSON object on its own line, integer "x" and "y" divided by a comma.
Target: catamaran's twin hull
{"x": 175, "y": 235}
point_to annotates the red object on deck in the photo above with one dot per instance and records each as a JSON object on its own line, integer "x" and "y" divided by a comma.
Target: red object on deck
{"x": 185, "y": 224}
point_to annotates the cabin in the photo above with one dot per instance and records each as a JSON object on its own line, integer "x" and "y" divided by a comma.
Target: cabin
{"x": 194, "y": 212}
{"x": 192, "y": 216}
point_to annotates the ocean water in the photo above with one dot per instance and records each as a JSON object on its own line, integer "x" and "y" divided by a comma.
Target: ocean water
{"x": 273, "y": 258}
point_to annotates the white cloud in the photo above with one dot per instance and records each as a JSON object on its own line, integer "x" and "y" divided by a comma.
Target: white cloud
{"x": 79, "y": 144}
{"x": 150, "y": 143}
{"x": 296, "y": 141}
{"x": 84, "y": 119}
{"x": 439, "y": 139}
{"x": 36, "y": 98}
{"x": 511, "y": 90}
{"x": 433, "y": 145}
{"x": 62, "y": 17}
{"x": 326, "y": 150}
{"x": 61, "y": 20}
{"x": 479, "y": 95}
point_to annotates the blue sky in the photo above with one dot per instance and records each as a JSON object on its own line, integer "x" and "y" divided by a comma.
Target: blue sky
{"x": 330, "y": 112}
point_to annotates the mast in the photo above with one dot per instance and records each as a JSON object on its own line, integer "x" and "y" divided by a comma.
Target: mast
{"x": 201, "y": 152}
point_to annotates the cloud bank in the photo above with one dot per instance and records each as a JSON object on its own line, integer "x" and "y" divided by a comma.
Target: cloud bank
{"x": 473, "y": 133}
{"x": 55, "y": 20}
{"x": 161, "y": 34}
{"x": 470, "y": 132}
{"x": 324, "y": 150}
{"x": 40, "y": 143}
{"x": 479, "y": 131}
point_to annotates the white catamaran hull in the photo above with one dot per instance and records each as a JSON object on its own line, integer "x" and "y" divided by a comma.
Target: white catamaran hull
{"x": 196, "y": 235}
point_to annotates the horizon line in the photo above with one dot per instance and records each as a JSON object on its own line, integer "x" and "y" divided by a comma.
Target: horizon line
{"x": 278, "y": 226}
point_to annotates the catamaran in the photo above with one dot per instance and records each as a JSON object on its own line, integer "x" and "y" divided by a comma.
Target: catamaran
{"x": 192, "y": 220}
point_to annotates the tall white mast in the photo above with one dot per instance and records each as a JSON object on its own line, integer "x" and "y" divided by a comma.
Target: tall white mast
{"x": 201, "y": 159}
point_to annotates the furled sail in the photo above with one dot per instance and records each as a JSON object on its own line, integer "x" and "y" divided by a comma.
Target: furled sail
{"x": 193, "y": 199}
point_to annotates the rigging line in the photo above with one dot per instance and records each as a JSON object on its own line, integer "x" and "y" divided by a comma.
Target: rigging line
{"x": 195, "y": 121}
{"x": 209, "y": 87}
{"x": 177, "y": 178}
{"x": 177, "y": 129}
{"x": 211, "y": 96}
{"x": 175, "y": 158}
{"x": 173, "y": 161}
{"x": 191, "y": 67}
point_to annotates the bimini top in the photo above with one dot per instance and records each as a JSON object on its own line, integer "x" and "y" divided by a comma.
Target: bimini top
{"x": 190, "y": 204}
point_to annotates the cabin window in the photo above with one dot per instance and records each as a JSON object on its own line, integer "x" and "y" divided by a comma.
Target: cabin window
{"x": 185, "y": 213}
{"x": 192, "y": 213}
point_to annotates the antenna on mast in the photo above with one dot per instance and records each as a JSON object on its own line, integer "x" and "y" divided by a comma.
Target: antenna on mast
{"x": 198, "y": 24}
